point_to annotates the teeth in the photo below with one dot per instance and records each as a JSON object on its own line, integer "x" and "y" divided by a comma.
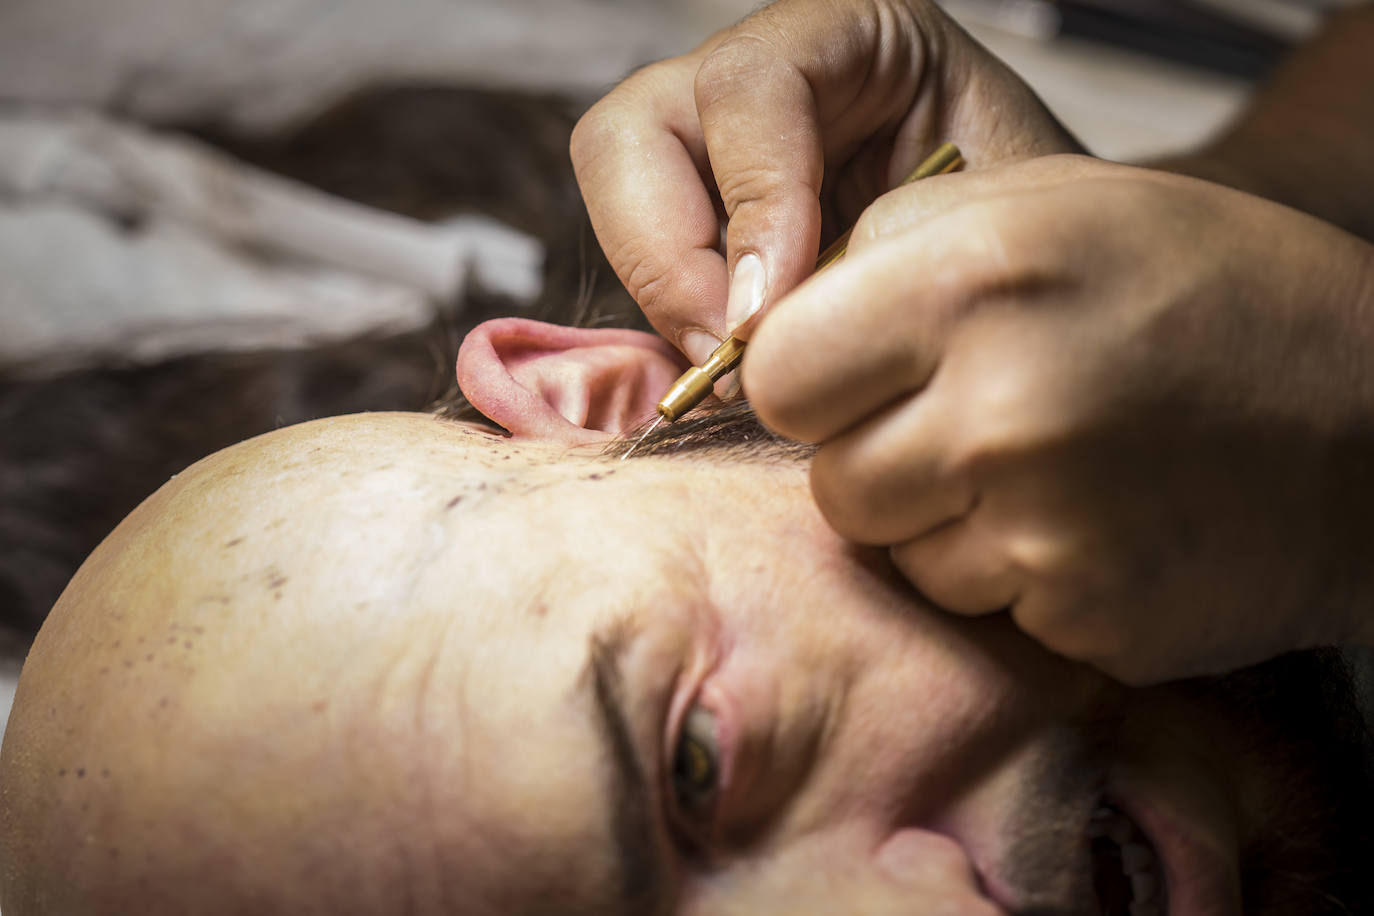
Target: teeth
{"x": 1144, "y": 886}
{"x": 1138, "y": 861}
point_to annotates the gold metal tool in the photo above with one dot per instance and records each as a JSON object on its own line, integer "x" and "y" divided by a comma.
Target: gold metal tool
{"x": 696, "y": 383}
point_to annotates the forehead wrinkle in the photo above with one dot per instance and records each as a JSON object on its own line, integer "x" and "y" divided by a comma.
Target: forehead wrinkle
{"x": 451, "y": 824}
{"x": 427, "y": 802}
{"x": 432, "y": 838}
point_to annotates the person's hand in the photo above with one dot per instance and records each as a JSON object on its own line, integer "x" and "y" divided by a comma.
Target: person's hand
{"x": 804, "y": 98}
{"x": 1135, "y": 409}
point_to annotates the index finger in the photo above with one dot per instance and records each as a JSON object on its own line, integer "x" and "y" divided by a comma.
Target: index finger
{"x": 639, "y": 160}
{"x": 874, "y": 327}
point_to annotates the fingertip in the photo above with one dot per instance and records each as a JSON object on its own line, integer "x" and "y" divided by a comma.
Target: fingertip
{"x": 765, "y": 376}
{"x": 958, "y": 570}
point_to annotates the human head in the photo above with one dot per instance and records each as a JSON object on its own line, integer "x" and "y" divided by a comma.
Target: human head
{"x": 374, "y": 662}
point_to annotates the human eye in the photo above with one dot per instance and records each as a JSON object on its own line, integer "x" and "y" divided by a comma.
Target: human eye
{"x": 696, "y": 771}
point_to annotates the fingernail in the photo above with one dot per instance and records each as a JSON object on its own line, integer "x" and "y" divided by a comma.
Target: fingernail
{"x": 732, "y": 385}
{"x": 747, "y": 286}
{"x": 697, "y": 344}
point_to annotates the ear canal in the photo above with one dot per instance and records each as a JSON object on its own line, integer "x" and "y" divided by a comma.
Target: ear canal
{"x": 568, "y": 385}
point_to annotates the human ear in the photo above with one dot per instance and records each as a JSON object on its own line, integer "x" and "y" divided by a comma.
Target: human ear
{"x": 568, "y": 385}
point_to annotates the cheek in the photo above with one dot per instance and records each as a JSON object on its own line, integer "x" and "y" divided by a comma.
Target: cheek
{"x": 922, "y": 726}
{"x": 846, "y": 871}
{"x": 934, "y": 707}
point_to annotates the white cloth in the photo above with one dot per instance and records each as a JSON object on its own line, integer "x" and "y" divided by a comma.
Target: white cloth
{"x": 115, "y": 240}
{"x": 261, "y": 64}
{"x": 221, "y": 255}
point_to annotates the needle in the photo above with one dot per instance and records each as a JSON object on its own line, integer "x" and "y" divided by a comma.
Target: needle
{"x": 643, "y": 437}
{"x": 693, "y": 386}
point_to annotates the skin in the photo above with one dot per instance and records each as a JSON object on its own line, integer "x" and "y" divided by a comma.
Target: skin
{"x": 1096, "y": 438}
{"x": 1303, "y": 140}
{"x": 337, "y": 669}
{"x": 746, "y": 131}
{"x": 1129, "y": 407}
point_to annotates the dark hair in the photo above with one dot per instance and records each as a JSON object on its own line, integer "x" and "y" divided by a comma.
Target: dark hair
{"x": 730, "y": 429}
{"x": 82, "y": 448}
{"x": 1299, "y": 717}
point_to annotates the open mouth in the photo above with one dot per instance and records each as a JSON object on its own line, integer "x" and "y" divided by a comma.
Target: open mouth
{"x": 1127, "y": 873}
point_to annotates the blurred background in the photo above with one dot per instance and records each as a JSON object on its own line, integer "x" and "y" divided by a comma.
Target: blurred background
{"x": 222, "y": 216}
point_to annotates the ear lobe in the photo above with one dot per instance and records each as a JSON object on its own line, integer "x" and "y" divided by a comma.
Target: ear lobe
{"x": 568, "y": 385}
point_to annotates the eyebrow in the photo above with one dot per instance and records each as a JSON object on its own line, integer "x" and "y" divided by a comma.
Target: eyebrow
{"x": 639, "y": 866}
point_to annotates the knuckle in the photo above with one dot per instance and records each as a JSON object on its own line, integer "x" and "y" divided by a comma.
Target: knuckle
{"x": 629, "y": 104}
{"x": 1065, "y": 558}
{"x": 887, "y": 215}
{"x": 973, "y": 450}
{"x": 1088, "y": 634}
{"x": 987, "y": 443}
{"x": 853, "y": 501}
{"x": 910, "y": 560}
{"x": 646, "y": 277}
{"x": 868, "y": 227}
{"x": 950, "y": 586}
{"x": 996, "y": 251}
{"x": 587, "y": 140}
{"x": 1008, "y": 416}
{"x": 966, "y": 454}
{"x": 595, "y": 130}
{"x": 1122, "y": 656}
{"x": 741, "y": 187}
{"x": 1129, "y": 673}
{"x": 729, "y": 64}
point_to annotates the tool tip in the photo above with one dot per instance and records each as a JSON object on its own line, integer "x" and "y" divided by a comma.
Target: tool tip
{"x": 642, "y": 438}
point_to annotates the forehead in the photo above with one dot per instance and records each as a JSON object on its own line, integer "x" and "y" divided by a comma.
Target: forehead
{"x": 536, "y": 561}
{"x": 527, "y": 589}
{"x": 503, "y": 562}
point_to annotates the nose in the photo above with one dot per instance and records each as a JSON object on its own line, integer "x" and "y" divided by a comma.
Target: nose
{"x": 934, "y": 873}
{"x": 912, "y": 873}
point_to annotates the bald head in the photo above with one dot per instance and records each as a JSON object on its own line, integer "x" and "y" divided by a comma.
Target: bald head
{"x": 221, "y": 710}
{"x": 299, "y": 677}
{"x": 387, "y": 663}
